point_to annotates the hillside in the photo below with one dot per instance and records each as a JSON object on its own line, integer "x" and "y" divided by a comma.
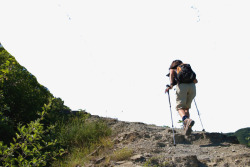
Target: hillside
{"x": 39, "y": 130}
{"x": 139, "y": 144}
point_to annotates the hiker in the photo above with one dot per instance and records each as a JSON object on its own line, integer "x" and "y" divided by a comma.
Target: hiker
{"x": 185, "y": 91}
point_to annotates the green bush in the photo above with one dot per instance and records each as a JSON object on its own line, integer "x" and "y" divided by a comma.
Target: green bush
{"x": 20, "y": 91}
{"x": 22, "y": 97}
{"x": 6, "y": 128}
{"x": 243, "y": 135}
{"x": 32, "y": 146}
{"x": 29, "y": 139}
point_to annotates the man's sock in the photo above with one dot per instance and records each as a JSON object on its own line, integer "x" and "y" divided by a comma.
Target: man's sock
{"x": 184, "y": 117}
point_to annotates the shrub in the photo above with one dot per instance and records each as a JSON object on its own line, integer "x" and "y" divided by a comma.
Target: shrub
{"x": 6, "y": 128}
{"x": 32, "y": 146}
{"x": 16, "y": 82}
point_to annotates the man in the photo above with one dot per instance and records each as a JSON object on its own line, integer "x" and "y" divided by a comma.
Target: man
{"x": 185, "y": 92}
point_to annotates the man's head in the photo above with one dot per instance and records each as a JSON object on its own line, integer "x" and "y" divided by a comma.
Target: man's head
{"x": 175, "y": 63}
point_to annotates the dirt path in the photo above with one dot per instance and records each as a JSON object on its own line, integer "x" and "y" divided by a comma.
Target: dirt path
{"x": 153, "y": 146}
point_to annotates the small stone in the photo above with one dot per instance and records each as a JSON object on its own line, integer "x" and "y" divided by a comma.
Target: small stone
{"x": 147, "y": 155}
{"x": 160, "y": 144}
{"x": 126, "y": 164}
{"x": 138, "y": 158}
{"x": 233, "y": 150}
{"x": 211, "y": 164}
{"x": 237, "y": 161}
{"x": 77, "y": 165}
{"x": 119, "y": 162}
{"x": 171, "y": 131}
{"x": 146, "y": 136}
{"x": 158, "y": 137}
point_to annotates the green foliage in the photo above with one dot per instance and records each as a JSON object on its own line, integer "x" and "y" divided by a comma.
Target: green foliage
{"x": 77, "y": 132}
{"x": 6, "y": 128}
{"x": 56, "y": 112}
{"x": 22, "y": 97}
{"x": 81, "y": 137}
{"x": 180, "y": 122}
{"x": 20, "y": 91}
{"x": 154, "y": 162}
{"x": 243, "y": 135}
{"x": 32, "y": 146}
{"x": 30, "y": 139}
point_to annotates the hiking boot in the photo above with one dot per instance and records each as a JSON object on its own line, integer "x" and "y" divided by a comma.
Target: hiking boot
{"x": 188, "y": 123}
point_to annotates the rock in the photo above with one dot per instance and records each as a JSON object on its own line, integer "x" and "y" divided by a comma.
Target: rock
{"x": 124, "y": 164}
{"x": 219, "y": 160}
{"x": 154, "y": 145}
{"x": 237, "y": 161}
{"x": 212, "y": 164}
{"x": 156, "y": 151}
{"x": 190, "y": 160}
{"x": 146, "y": 135}
{"x": 171, "y": 131}
{"x": 147, "y": 155}
{"x": 131, "y": 137}
{"x": 180, "y": 138}
{"x": 78, "y": 165}
{"x": 160, "y": 144}
{"x": 138, "y": 158}
{"x": 120, "y": 162}
{"x": 158, "y": 137}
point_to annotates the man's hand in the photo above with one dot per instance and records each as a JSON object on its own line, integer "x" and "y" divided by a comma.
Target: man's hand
{"x": 168, "y": 88}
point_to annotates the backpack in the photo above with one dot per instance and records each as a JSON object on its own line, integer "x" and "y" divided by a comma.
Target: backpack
{"x": 185, "y": 74}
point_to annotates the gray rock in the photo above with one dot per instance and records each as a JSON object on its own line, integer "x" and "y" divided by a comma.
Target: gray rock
{"x": 138, "y": 158}
{"x": 160, "y": 144}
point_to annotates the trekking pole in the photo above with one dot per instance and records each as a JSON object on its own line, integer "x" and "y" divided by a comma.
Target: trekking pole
{"x": 171, "y": 115}
{"x": 199, "y": 115}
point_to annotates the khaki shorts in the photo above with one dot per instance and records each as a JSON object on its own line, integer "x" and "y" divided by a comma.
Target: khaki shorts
{"x": 185, "y": 94}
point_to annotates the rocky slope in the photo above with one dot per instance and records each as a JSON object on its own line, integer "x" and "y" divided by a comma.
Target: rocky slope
{"x": 153, "y": 146}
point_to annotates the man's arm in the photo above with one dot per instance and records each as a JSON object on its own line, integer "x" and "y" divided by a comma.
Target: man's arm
{"x": 171, "y": 78}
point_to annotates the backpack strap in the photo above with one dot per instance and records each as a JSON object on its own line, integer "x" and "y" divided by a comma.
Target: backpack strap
{"x": 179, "y": 68}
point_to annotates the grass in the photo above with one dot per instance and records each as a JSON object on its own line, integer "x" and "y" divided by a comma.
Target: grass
{"x": 81, "y": 138}
{"x": 121, "y": 154}
{"x": 77, "y": 132}
{"x": 154, "y": 162}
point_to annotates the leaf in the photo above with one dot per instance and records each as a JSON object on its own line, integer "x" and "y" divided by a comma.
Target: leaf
{"x": 18, "y": 136}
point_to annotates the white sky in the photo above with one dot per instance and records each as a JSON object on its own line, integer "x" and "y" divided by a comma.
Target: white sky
{"x": 110, "y": 57}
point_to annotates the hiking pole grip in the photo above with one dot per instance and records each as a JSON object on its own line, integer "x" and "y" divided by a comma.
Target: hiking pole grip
{"x": 169, "y": 97}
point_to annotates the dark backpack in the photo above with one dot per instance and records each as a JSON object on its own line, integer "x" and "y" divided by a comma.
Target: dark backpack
{"x": 185, "y": 74}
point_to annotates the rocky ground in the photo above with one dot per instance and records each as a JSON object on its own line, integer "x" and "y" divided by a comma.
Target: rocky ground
{"x": 153, "y": 146}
